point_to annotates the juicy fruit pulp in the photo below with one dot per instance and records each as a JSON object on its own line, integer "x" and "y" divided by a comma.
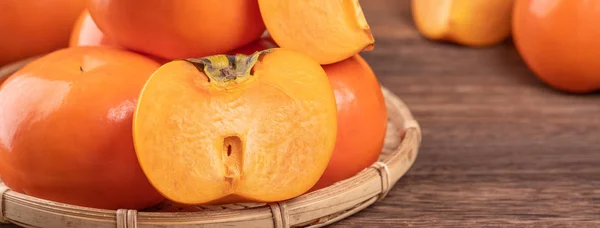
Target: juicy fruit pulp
{"x": 179, "y": 29}
{"x": 65, "y": 129}
{"x": 558, "y": 40}
{"x": 465, "y": 22}
{"x": 236, "y": 128}
{"x": 327, "y": 31}
{"x": 362, "y": 119}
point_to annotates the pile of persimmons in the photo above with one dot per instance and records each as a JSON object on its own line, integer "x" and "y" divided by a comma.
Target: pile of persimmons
{"x": 133, "y": 102}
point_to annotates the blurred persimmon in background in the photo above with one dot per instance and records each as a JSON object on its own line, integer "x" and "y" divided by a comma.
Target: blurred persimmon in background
{"x": 86, "y": 33}
{"x": 34, "y": 27}
{"x": 559, "y": 40}
{"x": 179, "y": 29}
{"x": 475, "y": 23}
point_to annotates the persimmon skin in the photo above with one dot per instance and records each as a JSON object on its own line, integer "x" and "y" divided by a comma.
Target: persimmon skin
{"x": 558, "y": 41}
{"x": 179, "y": 29}
{"x": 35, "y": 27}
{"x": 87, "y": 33}
{"x": 362, "y": 119}
{"x": 65, "y": 128}
{"x": 263, "y": 137}
{"x": 265, "y": 42}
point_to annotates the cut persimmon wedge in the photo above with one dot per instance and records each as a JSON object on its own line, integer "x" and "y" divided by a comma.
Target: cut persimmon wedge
{"x": 327, "y": 31}
{"x": 243, "y": 128}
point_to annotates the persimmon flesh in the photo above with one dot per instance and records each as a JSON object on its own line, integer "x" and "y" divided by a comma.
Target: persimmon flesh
{"x": 238, "y": 128}
{"x": 327, "y": 31}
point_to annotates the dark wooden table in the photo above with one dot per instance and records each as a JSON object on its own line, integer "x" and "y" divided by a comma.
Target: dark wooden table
{"x": 499, "y": 147}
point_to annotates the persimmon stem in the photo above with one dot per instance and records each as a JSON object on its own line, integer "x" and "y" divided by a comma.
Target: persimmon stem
{"x": 224, "y": 69}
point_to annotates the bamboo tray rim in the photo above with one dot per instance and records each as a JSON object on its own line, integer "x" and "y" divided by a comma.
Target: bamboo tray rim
{"x": 314, "y": 209}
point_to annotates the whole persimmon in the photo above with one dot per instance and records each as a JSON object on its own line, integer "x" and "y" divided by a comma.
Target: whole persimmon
{"x": 362, "y": 119}
{"x": 265, "y": 42}
{"x": 34, "y": 27}
{"x": 179, "y": 29}
{"x": 219, "y": 129}
{"x": 87, "y": 33}
{"x": 65, "y": 128}
{"x": 558, "y": 40}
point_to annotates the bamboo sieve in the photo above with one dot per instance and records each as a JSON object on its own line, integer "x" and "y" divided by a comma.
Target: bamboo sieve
{"x": 315, "y": 209}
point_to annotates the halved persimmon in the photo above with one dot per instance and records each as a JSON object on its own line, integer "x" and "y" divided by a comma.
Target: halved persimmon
{"x": 327, "y": 31}
{"x": 258, "y": 128}
{"x": 465, "y": 22}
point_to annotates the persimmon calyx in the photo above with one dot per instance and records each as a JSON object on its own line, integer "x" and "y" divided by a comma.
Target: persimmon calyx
{"x": 223, "y": 69}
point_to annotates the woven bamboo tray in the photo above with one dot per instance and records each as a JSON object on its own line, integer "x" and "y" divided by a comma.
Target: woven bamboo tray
{"x": 315, "y": 209}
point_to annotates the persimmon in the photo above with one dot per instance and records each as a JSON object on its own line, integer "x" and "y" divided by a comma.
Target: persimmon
{"x": 558, "y": 41}
{"x": 265, "y": 42}
{"x": 327, "y": 31}
{"x": 87, "y": 33}
{"x": 34, "y": 27}
{"x": 361, "y": 115}
{"x": 65, "y": 128}
{"x": 362, "y": 119}
{"x": 240, "y": 128}
{"x": 179, "y": 29}
{"x": 464, "y": 22}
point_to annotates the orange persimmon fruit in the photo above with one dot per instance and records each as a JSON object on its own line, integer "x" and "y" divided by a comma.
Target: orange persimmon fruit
{"x": 65, "y": 128}
{"x": 559, "y": 42}
{"x": 33, "y": 27}
{"x": 327, "y": 31}
{"x": 265, "y": 42}
{"x": 179, "y": 29}
{"x": 361, "y": 115}
{"x": 465, "y": 22}
{"x": 241, "y": 128}
{"x": 86, "y": 33}
{"x": 362, "y": 119}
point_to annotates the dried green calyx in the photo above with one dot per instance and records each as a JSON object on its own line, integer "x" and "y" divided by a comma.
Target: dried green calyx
{"x": 225, "y": 69}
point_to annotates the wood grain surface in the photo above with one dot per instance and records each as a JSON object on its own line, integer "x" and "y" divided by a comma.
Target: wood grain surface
{"x": 499, "y": 147}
